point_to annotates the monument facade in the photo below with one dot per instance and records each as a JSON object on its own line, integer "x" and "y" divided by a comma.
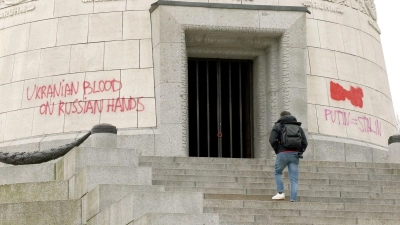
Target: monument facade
{"x": 68, "y": 65}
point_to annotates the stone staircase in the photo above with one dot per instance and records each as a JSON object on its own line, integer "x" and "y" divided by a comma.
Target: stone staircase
{"x": 94, "y": 186}
{"x": 112, "y": 186}
{"x": 240, "y": 190}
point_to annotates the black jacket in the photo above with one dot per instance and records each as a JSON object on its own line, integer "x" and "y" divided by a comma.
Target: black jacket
{"x": 274, "y": 138}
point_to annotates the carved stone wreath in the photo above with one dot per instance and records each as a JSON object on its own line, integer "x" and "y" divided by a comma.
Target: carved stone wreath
{"x": 25, "y": 158}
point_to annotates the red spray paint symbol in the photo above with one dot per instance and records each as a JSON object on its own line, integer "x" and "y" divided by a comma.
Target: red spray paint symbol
{"x": 355, "y": 95}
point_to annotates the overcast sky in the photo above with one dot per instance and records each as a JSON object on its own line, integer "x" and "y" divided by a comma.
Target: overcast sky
{"x": 388, "y": 20}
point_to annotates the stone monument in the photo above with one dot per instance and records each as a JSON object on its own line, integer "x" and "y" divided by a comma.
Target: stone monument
{"x": 66, "y": 66}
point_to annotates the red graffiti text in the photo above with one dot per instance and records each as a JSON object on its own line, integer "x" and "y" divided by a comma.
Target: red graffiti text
{"x": 92, "y": 106}
{"x": 101, "y": 86}
{"x": 364, "y": 123}
{"x": 63, "y": 89}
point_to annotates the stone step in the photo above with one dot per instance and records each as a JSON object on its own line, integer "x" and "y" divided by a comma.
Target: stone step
{"x": 254, "y": 223}
{"x": 378, "y": 221}
{"x": 304, "y": 186}
{"x": 105, "y": 195}
{"x": 272, "y": 191}
{"x": 257, "y": 212}
{"x": 391, "y": 189}
{"x": 264, "y": 174}
{"x": 364, "y": 200}
{"x": 31, "y": 192}
{"x": 177, "y": 219}
{"x": 350, "y": 200}
{"x": 270, "y": 168}
{"x": 205, "y": 184}
{"x": 356, "y": 170}
{"x": 27, "y": 173}
{"x": 91, "y": 176}
{"x": 42, "y": 212}
{"x": 266, "y": 219}
{"x": 203, "y": 160}
{"x": 80, "y": 157}
{"x": 363, "y": 182}
{"x": 307, "y": 184}
{"x": 206, "y": 190}
{"x": 138, "y": 203}
{"x": 324, "y": 220}
{"x": 286, "y": 205}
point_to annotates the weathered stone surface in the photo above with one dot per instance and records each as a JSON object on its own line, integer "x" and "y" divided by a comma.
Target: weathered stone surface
{"x": 136, "y": 25}
{"x": 43, "y": 34}
{"x": 105, "y": 27}
{"x": 109, "y": 6}
{"x": 91, "y": 176}
{"x": 27, "y": 173}
{"x": 6, "y": 69}
{"x": 146, "y": 53}
{"x": 123, "y": 36}
{"x": 147, "y": 117}
{"x": 42, "y": 213}
{"x": 317, "y": 95}
{"x": 26, "y": 65}
{"x": 67, "y": 8}
{"x": 13, "y": 102}
{"x": 177, "y": 218}
{"x": 105, "y": 195}
{"x": 312, "y": 33}
{"x": 121, "y": 55}
{"x": 347, "y": 67}
{"x": 367, "y": 43}
{"x": 72, "y": 30}
{"x": 352, "y": 45}
{"x": 16, "y": 39}
{"x": 142, "y": 140}
{"x": 55, "y": 61}
{"x": 87, "y": 57}
{"x": 18, "y": 124}
{"x": 140, "y": 82}
{"x": 104, "y": 140}
{"x": 394, "y": 149}
{"x": 80, "y": 157}
{"x": 79, "y": 122}
{"x": 33, "y": 192}
{"x": 43, "y": 10}
{"x": 330, "y": 36}
{"x": 127, "y": 210}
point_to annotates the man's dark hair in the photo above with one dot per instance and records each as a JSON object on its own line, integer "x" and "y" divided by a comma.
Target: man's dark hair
{"x": 285, "y": 113}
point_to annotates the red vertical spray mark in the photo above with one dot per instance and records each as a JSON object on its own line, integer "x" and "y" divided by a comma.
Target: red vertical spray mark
{"x": 355, "y": 95}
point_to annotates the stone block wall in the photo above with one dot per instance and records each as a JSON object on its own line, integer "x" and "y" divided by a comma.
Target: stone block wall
{"x": 348, "y": 89}
{"x": 68, "y": 65}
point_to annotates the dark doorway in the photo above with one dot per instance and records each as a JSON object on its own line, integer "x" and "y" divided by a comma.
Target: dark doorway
{"x": 220, "y": 108}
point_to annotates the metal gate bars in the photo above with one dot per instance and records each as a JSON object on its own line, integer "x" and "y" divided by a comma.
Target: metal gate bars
{"x": 220, "y": 108}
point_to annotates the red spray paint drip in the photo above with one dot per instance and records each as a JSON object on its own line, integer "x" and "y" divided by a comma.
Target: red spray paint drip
{"x": 355, "y": 95}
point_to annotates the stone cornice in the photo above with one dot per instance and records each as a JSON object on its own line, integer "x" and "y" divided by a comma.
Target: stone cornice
{"x": 230, "y": 6}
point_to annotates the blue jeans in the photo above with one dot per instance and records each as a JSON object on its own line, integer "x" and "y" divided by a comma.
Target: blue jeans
{"x": 292, "y": 161}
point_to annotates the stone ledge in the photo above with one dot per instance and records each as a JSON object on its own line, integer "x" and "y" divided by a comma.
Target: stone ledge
{"x": 332, "y": 148}
{"x": 230, "y": 6}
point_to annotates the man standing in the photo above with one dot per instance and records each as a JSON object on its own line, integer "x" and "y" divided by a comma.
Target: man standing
{"x": 287, "y": 154}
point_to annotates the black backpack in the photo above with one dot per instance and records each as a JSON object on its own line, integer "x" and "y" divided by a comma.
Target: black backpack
{"x": 291, "y": 136}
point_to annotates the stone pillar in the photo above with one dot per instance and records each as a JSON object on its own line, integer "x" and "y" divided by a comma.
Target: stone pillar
{"x": 394, "y": 149}
{"x": 104, "y": 136}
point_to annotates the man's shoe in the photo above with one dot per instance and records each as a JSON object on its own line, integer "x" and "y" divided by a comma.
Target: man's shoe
{"x": 279, "y": 196}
